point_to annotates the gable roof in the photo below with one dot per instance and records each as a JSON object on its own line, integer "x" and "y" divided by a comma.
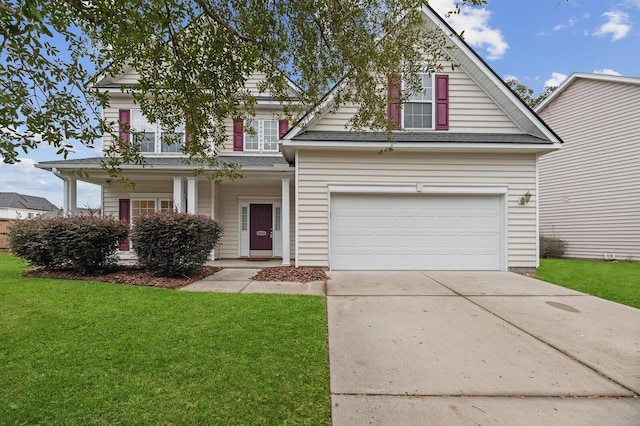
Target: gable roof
{"x": 475, "y": 67}
{"x": 14, "y": 200}
{"x": 586, "y": 76}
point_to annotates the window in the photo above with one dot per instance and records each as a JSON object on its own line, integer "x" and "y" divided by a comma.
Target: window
{"x": 141, "y": 207}
{"x": 245, "y": 218}
{"x": 263, "y": 137}
{"x": 146, "y": 134}
{"x": 278, "y": 218}
{"x": 418, "y": 110}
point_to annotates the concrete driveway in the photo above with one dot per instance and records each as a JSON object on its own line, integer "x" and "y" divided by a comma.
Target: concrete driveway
{"x": 489, "y": 348}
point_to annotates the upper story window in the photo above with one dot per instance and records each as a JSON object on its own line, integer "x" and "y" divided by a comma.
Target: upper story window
{"x": 263, "y": 137}
{"x": 151, "y": 138}
{"x": 417, "y": 112}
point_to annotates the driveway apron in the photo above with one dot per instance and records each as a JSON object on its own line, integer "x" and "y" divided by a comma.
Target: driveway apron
{"x": 478, "y": 348}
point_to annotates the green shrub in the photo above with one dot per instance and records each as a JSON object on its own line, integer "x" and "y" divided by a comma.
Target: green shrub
{"x": 172, "y": 244}
{"x": 85, "y": 244}
{"x": 551, "y": 247}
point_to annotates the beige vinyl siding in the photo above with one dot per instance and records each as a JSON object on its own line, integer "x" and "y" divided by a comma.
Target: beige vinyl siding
{"x": 470, "y": 110}
{"x": 113, "y": 192}
{"x": 111, "y": 114}
{"x": 317, "y": 170}
{"x": 230, "y": 197}
{"x": 129, "y": 77}
{"x": 590, "y": 189}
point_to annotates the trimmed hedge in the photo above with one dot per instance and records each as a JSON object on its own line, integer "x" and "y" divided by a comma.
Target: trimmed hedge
{"x": 85, "y": 244}
{"x": 551, "y": 247}
{"x": 172, "y": 244}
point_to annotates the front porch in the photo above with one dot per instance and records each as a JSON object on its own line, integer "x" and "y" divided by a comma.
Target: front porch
{"x": 255, "y": 212}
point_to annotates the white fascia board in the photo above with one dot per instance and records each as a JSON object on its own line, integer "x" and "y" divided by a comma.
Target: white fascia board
{"x": 291, "y": 146}
{"x": 315, "y": 113}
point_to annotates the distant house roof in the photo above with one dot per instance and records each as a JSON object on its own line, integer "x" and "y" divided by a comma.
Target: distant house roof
{"x": 14, "y": 200}
{"x": 587, "y": 76}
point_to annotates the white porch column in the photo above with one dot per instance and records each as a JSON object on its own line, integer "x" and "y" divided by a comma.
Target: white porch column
{"x": 285, "y": 221}
{"x": 73, "y": 195}
{"x": 192, "y": 195}
{"x": 177, "y": 194}
{"x": 66, "y": 201}
{"x": 212, "y": 255}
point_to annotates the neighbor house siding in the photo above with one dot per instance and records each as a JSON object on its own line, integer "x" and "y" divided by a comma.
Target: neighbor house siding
{"x": 317, "y": 170}
{"x": 470, "y": 109}
{"x": 590, "y": 189}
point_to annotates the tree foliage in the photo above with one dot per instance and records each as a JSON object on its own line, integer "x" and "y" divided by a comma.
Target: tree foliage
{"x": 527, "y": 94}
{"x": 194, "y": 57}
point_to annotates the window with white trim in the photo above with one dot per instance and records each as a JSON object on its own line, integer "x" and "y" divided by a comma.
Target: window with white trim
{"x": 263, "y": 137}
{"x": 417, "y": 112}
{"x": 151, "y": 137}
{"x": 142, "y": 206}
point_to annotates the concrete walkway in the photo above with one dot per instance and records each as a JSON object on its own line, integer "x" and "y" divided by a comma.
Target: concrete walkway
{"x": 470, "y": 348}
{"x": 239, "y": 280}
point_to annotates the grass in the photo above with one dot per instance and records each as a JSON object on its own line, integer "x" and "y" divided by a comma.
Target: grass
{"x": 80, "y": 352}
{"x": 616, "y": 281}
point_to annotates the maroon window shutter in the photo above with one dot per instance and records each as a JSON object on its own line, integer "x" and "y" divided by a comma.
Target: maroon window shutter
{"x": 187, "y": 136}
{"x": 442, "y": 102}
{"x": 394, "y": 109}
{"x": 238, "y": 135}
{"x": 123, "y": 215}
{"x": 124, "y": 118}
{"x": 283, "y": 127}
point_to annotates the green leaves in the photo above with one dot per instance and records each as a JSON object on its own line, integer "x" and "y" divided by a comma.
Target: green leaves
{"x": 194, "y": 58}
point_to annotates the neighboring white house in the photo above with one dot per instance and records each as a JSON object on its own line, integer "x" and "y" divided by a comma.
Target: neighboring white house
{"x": 590, "y": 190}
{"x": 451, "y": 195}
{"x": 19, "y": 206}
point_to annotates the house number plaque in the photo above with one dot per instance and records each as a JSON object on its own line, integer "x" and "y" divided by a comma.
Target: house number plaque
{"x": 261, "y": 233}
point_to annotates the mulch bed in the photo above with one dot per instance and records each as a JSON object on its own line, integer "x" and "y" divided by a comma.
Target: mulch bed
{"x": 133, "y": 275}
{"x": 126, "y": 275}
{"x": 290, "y": 273}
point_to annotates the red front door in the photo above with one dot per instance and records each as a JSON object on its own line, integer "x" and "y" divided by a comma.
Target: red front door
{"x": 260, "y": 228}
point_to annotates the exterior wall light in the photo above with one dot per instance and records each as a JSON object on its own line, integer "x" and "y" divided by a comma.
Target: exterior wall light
{"x": 525, "y": 199}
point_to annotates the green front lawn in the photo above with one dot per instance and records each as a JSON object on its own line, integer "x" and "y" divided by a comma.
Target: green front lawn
{"x": 79, "y": 352}
{"x": 617, "y": 281}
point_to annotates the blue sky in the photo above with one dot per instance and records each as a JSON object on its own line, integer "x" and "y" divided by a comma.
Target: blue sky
{"x": 539, "y": 42}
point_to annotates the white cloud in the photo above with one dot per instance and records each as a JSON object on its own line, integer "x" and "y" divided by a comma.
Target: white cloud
{"x": 617, "y": 25}
{"x": 570, "y": 23}
{"x": 607, "y": 71}
{"x": 508, "y": 77}
{"x": 635, "y": 3}
{"x": 555, "y": 80}
{"x": 474, "y": 22}
{"x": 25, "y": 178}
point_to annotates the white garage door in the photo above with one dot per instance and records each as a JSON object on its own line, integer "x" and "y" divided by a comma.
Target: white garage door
{"x": 415, "y": 232}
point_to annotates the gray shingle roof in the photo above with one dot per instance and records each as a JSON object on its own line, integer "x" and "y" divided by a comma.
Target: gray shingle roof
{"x": 415, "y": 137}
{"x": 14, "y": 200}
{"x": 246, "y": 161}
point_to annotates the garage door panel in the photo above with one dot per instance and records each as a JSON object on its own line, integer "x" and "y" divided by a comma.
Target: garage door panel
{"x": 415, "y": 232}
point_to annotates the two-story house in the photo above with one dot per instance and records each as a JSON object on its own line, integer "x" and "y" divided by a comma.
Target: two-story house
{"x": 458, "y": 191}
